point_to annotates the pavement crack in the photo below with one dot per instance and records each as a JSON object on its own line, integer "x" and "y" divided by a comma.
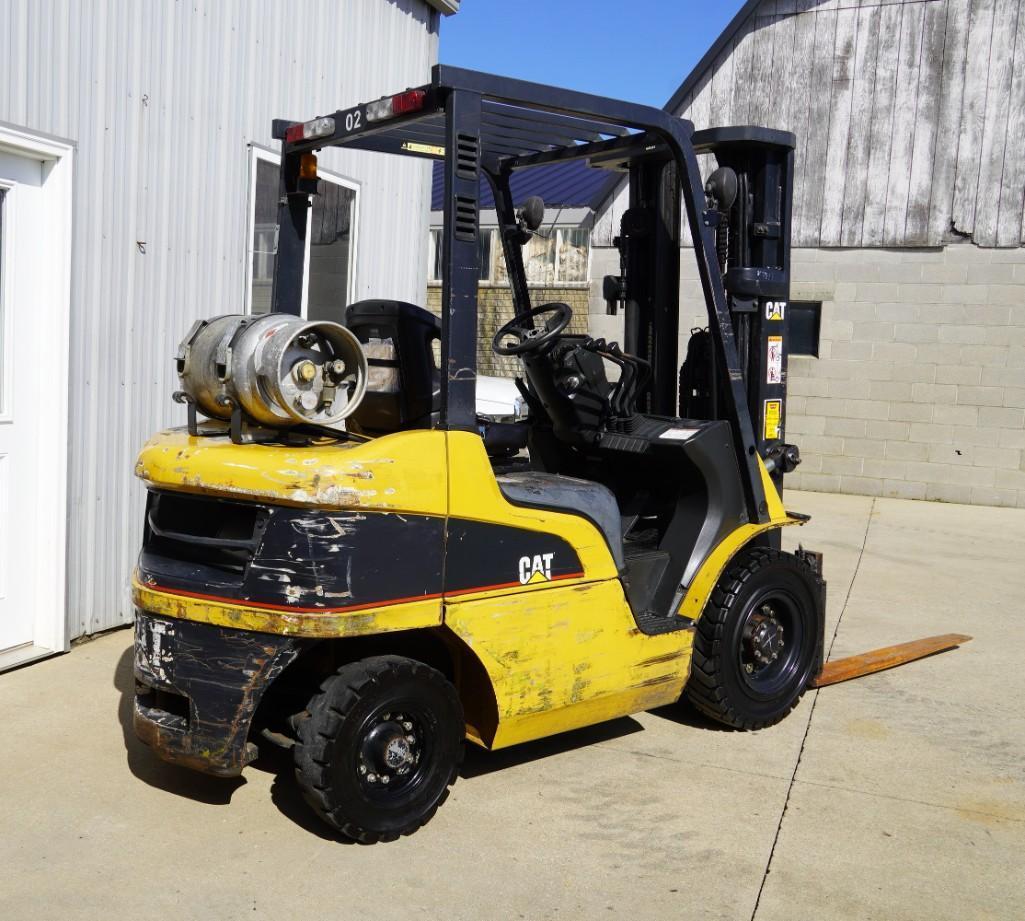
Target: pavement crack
{"x": 811, "y": 714}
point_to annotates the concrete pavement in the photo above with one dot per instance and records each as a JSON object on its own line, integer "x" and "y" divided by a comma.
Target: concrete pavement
{"x": 898, "y": 796}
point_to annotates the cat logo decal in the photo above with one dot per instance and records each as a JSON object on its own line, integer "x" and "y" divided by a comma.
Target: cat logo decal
{"x": 537, "y": 568}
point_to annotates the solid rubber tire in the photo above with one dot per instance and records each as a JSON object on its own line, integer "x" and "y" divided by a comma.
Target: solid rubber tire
{"x": 329, "y": 736}
{"x": 716, "y": 687}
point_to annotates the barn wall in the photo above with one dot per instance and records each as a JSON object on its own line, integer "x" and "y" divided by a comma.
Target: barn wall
{"x": 163, "y": 100}
{"x": 909, "y": 116}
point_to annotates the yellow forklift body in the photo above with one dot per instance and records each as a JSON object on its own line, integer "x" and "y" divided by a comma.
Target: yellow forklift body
{"x": 559, "y": 654}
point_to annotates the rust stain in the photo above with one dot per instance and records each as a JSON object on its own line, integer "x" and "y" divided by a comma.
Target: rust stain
{"x": 867, "y": 729}
{"x": 990, "y": 812}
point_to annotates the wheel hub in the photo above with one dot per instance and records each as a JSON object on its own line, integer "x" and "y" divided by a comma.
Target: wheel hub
{"x": 763, "y": 637}
{"x": 390, "y": 749}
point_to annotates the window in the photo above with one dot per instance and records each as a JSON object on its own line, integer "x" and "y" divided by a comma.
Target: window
{"x": 485, "y": 245}
{"x": 330, "y": 242}
{"x": 573, "y": 250}
{"x": 560, "y": 256}
{"x": 804, "y": 324}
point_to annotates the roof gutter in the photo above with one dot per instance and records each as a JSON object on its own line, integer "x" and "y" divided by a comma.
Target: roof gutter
{"x": 446, "y": 7}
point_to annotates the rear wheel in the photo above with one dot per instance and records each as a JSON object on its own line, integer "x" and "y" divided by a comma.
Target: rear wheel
{"x": 757, "y": 643}
{"x": 380, "y": 747}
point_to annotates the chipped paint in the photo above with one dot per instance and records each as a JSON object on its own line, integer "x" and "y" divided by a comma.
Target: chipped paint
{"x": 617, "y": 670}
{"x": 222, "y": 701}
{"x": 314, "y": 624}
{"x": 410, "y": 477}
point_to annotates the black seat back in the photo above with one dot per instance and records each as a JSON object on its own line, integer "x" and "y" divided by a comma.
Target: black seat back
{"x": 404, "y": 384}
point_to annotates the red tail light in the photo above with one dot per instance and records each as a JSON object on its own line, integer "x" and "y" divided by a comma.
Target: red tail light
{"x": 390, "y": 106}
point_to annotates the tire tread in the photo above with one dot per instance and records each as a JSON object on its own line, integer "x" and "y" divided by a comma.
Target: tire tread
{"x": 705, "y": 688}
{"x": 339, "y": 694}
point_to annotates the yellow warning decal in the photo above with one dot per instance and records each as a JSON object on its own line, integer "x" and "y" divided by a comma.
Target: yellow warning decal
{"x": 773, "y": 417}
{"x": 431, "y": 149}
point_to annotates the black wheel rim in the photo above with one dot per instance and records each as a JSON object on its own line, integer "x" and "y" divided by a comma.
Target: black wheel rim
{"x": 771, "y": 637}
{"x": 394, "y": 752}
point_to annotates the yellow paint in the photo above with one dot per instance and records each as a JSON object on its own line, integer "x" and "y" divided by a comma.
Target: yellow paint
{"x": 564, "y": 657}
{"x": 367, "y": 621}
{"x": 560, "y": 655}
{"x": 777, "y": 513}
{"x": 474, "y": 494}
{"x": 403, "y": 472}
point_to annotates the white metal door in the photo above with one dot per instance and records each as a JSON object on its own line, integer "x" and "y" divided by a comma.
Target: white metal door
{"x": 33, "y": 381}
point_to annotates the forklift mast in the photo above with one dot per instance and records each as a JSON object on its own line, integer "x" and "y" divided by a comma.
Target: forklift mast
{"x": 749, "y": 200}
{"x": 753, "y": 242}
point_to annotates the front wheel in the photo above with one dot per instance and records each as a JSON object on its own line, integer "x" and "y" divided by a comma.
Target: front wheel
{"x": 758, "y": 642}
{"x": 379, "y": 747}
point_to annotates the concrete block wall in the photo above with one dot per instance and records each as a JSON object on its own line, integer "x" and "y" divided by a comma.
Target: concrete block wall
{"x": 919, "y": 390}
{"x": 495, "y": 309}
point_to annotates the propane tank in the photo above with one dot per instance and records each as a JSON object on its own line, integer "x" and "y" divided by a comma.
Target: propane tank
{"x": 280, "y": 370}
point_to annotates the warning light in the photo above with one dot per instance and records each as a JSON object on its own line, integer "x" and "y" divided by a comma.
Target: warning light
{"x": 308, "y": 166}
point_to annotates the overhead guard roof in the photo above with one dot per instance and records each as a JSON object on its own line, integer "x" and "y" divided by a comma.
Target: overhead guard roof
{"x": 521, "y": 123}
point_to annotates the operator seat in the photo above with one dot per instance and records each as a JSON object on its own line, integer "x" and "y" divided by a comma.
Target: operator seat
{"x": 590, "y": 500}
{"x": 404, "y": 385}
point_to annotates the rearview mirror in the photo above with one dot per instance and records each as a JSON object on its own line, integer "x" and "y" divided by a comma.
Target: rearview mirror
{"x": 533, "y": 212}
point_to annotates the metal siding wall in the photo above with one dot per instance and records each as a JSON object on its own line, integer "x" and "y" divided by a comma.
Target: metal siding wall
{"x": 162, "y": 99}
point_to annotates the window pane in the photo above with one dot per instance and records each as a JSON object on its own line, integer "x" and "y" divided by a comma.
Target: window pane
{"x": 265, "y": 233}
{"x": 330, "y": 248}
{"x": 539, "y": 256}
{"x": 573, "y": 246}
{"x": 500, "y": 271}
{"x": 804, "y": 322}
{"x": 434, "y": 255}
{"x": 484, "y": 246}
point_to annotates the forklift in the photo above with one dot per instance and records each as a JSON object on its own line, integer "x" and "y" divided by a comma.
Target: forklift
{"x": 342, "y": 558}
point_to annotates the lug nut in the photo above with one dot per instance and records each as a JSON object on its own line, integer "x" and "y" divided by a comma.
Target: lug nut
{"x": 407, "y": 725}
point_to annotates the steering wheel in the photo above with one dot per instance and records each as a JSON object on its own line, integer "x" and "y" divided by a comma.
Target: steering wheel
{"x": 530, "y": 338}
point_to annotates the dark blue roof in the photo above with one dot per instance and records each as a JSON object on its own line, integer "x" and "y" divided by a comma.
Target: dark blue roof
{"x": 572, "y": 184}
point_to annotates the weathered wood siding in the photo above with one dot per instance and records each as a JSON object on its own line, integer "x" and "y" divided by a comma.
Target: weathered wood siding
{"x": 910, "y": 115}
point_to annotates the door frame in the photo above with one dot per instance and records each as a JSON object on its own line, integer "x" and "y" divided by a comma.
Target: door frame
{"x": 53, "y": 268}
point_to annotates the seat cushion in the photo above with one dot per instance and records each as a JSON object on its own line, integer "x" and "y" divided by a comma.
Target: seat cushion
{"x": 592, "y": 501}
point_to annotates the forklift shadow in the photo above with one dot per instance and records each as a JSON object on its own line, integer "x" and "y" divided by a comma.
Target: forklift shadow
{"x": 147, "y": 767}
{"x": 683, "y": 713}
{"x": 480, "y": 762}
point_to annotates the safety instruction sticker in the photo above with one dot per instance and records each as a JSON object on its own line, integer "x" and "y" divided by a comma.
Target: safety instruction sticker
{"x": 775, "y": 310}
{"x": 773, "y": 417}
{"x": 774, "y": 361}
